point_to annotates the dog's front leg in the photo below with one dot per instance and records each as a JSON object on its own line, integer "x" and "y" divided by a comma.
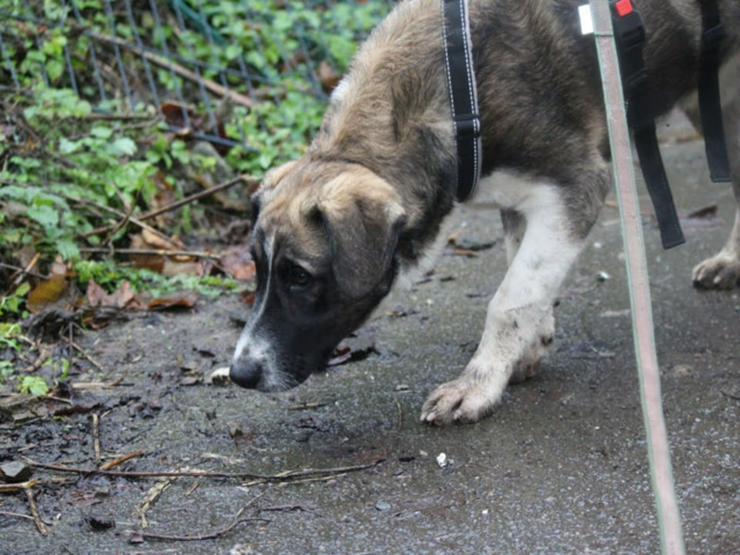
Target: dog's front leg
{"x": 520, "y": 323}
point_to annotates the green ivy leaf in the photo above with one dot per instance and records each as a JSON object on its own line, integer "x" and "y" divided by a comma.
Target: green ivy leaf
{"x": 34, "y": 385}
{"x": 122, "y": 147}
{"x": 44, "y": 215}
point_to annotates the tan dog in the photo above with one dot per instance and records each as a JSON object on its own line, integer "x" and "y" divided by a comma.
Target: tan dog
{"x": 334, "y": 229}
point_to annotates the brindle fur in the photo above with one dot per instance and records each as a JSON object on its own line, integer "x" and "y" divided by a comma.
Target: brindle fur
{"x": 369, "y": 196}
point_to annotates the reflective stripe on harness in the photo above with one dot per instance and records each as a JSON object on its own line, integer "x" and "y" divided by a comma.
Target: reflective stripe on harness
{"x": 463, "y": 95}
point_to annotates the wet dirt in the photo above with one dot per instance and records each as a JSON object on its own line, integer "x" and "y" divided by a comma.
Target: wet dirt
{"x": 560, "y": 467}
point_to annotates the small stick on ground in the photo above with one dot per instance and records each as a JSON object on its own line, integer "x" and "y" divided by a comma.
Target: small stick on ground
{"x": 208, "y": 535}
{"x": 150, "y": 499}
{"x": 286, "y": 476}
{"x": 16, "y": 515}
{"x": 120, "y": 460}
{"x": 84, "y": 353}
{"x": 23, "y": 271}
{"x": 40, "y": 526}
{"x": 21, "y": 486}
{"x": 95, "y": 417}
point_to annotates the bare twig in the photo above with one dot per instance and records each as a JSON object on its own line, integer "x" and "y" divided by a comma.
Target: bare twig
{"x": 157, "y": 252}
{"x": 286, "y": 476}
{"x": 173, "y": 206}
{"x": 40, "y": 526}
{"x": 150, "y": 499}
{"x": 199, "y": 196}
{"x": 21, "y": 486}
{"x": 16, "y": 515}
{"x": 161, "y": 61}
{"x": 98, "y": 385}
{"x": 86, "y": 355}
{"x": 119, "y": 117}
{"x": 117, "y": 213}
{"x": 29, "y": 267}
{"x": 208, "y": 535}
{"x": 95, "y": 417}
{"x": 120, "y": 460}
{"x": 23, "y": 271}
{"x": 308, "y": 405}
{"x": 123, "y": 223}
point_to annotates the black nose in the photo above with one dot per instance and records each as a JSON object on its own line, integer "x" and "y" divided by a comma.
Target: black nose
{"x": 246, "y": 373}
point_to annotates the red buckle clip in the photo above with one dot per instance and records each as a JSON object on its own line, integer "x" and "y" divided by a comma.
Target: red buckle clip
{"x": 624, "y": 7}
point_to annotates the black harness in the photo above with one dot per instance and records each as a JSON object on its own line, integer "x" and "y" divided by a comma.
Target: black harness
{"x": 463, "y": 95}
{"x": 641, "y": 111}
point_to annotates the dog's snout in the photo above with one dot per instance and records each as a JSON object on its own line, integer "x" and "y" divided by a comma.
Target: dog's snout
{"x": 246, "y": 373}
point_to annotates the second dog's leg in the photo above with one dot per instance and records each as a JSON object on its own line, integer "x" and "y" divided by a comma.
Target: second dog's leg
{"x": 519, "y": 322}
{"x": 722, "y": 271}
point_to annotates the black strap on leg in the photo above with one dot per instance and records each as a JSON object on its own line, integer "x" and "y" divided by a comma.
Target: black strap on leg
{"x": 629, "y": 33}
{"x": 709, "y": 97}
{"x": 463, "y": 95}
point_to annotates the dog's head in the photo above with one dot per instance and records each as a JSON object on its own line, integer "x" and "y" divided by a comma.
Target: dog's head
{"x": 324, "y": 241}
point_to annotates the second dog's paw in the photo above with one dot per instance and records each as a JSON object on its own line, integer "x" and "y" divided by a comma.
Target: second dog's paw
{"x": 719, "y": 272}
{"x": 462, "y": 400}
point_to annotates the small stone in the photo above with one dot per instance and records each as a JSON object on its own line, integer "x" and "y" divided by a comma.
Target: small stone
{"x": 100, "y": 523}
{"x": 235, "y": 430}
{"x": 383, "y": 506}
{"x": 14, "y": 472}
{"x": 442, "y": 460}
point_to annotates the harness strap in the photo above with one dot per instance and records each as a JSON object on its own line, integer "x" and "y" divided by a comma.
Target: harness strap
{"x": 709, "y": 97}
{"x": 463, "y": 95}
{"x": 629, "y": 33}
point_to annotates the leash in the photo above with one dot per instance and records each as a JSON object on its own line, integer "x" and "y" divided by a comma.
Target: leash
{"x": 463, "y": 95}
{"x": 661, "y": 473}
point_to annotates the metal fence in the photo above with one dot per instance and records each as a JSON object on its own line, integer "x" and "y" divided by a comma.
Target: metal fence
{"x": 188, "y": 59}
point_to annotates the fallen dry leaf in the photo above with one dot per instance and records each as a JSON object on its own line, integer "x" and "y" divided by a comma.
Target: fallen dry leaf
{"x": 47, "y": 292}
{"x": 123, "y": 297}
{"x": 328, "y": 77}
{"x": 237, "y": 263}
{"x": 705, "y": 213}
{"x": 158, "y": 242}
{"x": 180, "y": 300}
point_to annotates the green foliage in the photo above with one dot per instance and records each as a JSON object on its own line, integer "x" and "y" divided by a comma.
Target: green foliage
{"x": 65, "y": 169}
{"x": 110, "y": 276}
{"x": 9, "y": 334}
{"x": 33, "y": 385}
{"x": 11, "y": 304}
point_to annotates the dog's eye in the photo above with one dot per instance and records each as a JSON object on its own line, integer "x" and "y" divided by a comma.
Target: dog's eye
{"x": 297, "y": 276}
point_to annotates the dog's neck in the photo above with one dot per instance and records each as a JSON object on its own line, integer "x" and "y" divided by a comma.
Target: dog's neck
{"x": 391, "y": 114}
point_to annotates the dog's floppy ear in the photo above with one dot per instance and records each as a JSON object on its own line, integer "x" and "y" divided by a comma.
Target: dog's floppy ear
{"x": 364, "y": 217}
{"x": 269, "y": 182}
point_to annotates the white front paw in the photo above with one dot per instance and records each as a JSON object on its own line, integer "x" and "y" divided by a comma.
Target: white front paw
{"x": 719, "y": 272}
{"x": 466, "y": 399}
